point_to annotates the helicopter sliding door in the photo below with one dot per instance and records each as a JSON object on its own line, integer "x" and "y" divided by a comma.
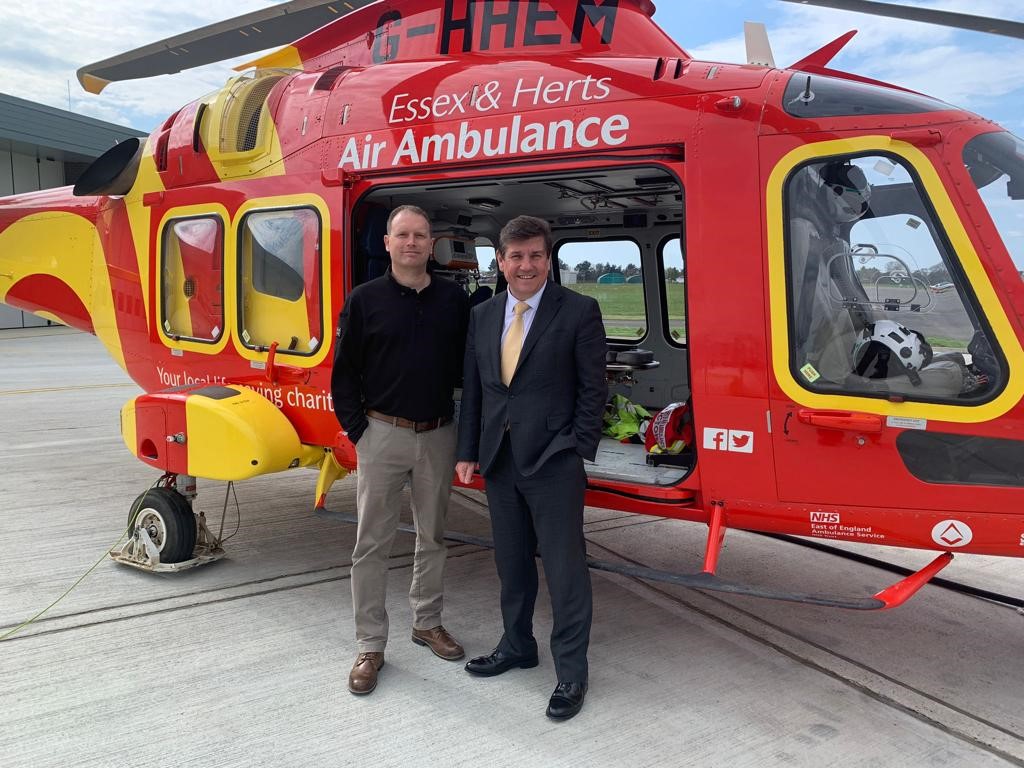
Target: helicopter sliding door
{"x": 887, "y": 335}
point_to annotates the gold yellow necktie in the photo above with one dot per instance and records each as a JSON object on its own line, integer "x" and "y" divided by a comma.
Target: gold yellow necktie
{"x": 513, "y": 343}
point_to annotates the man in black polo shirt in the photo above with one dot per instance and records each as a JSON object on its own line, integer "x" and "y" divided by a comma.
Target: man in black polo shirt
{"x": 398, "y": 359}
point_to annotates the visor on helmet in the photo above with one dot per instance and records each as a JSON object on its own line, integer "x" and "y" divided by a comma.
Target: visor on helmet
{"x": 846, "y": 190}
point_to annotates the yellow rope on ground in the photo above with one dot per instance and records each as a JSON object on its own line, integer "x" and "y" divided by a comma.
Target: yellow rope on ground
{"x": 131, "y": 524}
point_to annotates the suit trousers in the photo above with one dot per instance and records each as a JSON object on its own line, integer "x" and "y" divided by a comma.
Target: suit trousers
{"x": 544, "y": 509}
{"x": 390, "y": 456}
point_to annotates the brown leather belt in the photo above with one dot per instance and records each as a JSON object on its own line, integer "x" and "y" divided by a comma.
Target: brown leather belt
{"x": 415, "y": 426}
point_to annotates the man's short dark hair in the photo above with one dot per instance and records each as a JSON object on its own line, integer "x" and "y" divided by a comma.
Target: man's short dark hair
{"x": 524, "y": 228}
{"x": 408, "y": 209}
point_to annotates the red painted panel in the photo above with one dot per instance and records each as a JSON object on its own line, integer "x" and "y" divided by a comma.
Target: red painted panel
{"x": 44, "y": 292}
{"x": 115, "y": 236}
{"x": 201, "y": 245}
{"x": 184, "y": 164}
{"x": 426, "y": 29}
{"x": 158, "y": 416}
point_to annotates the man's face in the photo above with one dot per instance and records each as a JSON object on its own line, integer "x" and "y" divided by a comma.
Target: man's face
{"x": 408, "y": 241}
{"x": 525, "y": 265}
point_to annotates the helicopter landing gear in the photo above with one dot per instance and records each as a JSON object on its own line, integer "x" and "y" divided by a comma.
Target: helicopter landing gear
{"x": 165, "y": 534}
{"x": 330, "y": 471}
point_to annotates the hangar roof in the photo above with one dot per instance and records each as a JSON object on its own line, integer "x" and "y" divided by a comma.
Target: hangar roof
{"x": 25, "y": 125}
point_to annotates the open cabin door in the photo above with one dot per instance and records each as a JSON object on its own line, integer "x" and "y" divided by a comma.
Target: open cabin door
{"x": 617, "y": 227}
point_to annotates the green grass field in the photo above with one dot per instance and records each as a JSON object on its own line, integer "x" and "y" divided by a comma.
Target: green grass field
{"x": 624, "y": 303}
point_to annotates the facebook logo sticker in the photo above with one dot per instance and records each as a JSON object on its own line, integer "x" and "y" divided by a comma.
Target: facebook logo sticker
{"x": 734, "y": 440}
{"x": 716, "y": 439}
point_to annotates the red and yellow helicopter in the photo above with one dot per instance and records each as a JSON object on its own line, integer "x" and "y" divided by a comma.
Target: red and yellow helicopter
{"x": 786, "y": 227}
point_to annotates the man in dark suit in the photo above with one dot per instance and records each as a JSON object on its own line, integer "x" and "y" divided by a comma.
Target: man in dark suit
{"x": 532, "y": 402}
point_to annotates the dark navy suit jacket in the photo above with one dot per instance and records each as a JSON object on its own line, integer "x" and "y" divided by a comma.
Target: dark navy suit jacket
{"x": 556, "y": 398}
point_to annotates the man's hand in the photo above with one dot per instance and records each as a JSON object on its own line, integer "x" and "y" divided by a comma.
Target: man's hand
{"x": 464, "y": 471}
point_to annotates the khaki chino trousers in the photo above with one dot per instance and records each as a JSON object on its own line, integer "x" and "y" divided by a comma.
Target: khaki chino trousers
{"x": 389, "y": 457}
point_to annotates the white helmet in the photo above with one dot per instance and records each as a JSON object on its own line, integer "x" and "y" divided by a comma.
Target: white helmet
{"x": 846, "y": 190}
{"x": 885, "y": 348}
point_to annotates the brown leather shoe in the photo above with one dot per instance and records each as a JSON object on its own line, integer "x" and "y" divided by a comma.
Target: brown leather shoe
{"x": 440, "y": 642}
{"x": 363, "y": 677}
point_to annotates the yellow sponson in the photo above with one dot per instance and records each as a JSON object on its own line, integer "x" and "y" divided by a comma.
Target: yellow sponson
{"x": 241, "y": 436}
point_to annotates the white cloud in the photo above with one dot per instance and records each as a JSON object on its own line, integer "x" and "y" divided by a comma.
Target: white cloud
{"x": 970, "y": 70}
{"x": 44, "y": 44}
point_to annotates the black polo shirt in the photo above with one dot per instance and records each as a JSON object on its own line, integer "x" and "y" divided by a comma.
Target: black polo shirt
{"x": 399, "y": 351}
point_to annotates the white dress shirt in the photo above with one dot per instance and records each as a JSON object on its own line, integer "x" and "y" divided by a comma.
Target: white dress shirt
{"x": 528, "y": 315}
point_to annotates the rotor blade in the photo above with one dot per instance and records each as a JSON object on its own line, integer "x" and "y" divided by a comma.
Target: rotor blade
{"x": 759, "y": 50}
{"x": 925, "y": 15}
{"x": 267, "y": 28}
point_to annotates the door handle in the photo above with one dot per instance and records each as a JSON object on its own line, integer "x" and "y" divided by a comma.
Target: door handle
{"x": 845, "y": 420}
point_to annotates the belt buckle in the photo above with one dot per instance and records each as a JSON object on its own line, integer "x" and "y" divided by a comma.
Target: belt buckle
{"x": 424, "y": 426}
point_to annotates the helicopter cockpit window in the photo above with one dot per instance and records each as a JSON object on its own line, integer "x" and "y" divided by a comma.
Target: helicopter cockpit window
{"x": 191, "y": 278}
{"x": 673, "y": 272}
{"x": 608, "y": 270}
{"x": 820, "y": 96}
{"x": 279, "y": 280}
{"x": 995, "y": 162}
{"x": 877, "y": 303}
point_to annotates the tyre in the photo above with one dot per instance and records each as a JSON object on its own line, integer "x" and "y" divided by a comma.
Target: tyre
{"x": 169, "y": 521}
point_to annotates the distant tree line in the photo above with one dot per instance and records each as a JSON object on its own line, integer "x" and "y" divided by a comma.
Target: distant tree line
{"x": 588, "y": 273}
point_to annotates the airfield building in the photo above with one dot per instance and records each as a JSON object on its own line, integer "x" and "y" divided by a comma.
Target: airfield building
{"x": 43, "y": 147}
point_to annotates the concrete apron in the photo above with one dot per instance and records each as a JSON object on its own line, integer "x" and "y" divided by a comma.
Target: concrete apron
{"x": 245, "y": 661}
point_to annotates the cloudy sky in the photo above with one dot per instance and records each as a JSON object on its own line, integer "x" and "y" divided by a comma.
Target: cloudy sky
{"x": 43, "y": 44}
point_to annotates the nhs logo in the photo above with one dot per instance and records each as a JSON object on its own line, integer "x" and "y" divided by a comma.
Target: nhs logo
{"x": 733, "y": 440}
{"x": 824, "y": 517}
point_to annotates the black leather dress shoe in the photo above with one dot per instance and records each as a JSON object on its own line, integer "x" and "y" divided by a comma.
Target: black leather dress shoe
{"x": 498, "y": 662}
{"x": 567, "y": 700}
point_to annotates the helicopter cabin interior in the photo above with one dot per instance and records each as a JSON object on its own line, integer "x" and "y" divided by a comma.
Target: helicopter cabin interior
{"x": 616, "y": 237}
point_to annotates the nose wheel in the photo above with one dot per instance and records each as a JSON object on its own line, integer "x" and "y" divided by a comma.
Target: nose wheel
{"x": 166, "y": 535}
{"x": 168, "y": 521}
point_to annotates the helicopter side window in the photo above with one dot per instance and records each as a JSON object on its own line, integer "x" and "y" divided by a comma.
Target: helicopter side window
{"x": 608, "y": 270}
{"x": 280, "y": 281}
{"x": 878, "y": 305}
{"x": 816, "y": 96}
{"x": 673, "y": 275}
{"x": 191, "y": 278}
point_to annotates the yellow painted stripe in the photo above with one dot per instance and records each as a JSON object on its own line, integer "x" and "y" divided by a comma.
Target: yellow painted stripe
{"x": 139, "y": 215}
{"x": 950, "y": 220}
{"x": 65, "y": 246}
{"x": 262, "y": 161}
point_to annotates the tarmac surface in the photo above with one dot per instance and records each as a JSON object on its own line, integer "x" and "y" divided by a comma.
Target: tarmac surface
{"x": 244, "y": 662}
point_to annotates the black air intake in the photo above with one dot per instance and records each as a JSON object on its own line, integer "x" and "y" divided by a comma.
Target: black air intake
{"x": 113, "y": 172}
